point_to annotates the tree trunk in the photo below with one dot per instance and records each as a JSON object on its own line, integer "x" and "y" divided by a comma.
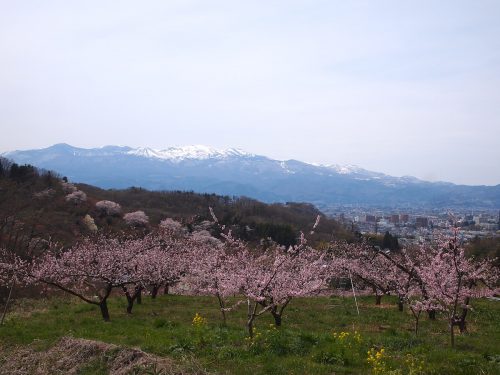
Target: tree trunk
{"x": 452, "y": 334}
{"x": 378, "y": 299}
{"x": 103, "y": 305}
{"x": 400, "y": 305}
{"x": 222, "y": 307}
{"x": 131, "y": 298}
{"x": 416, "y": 315}
{"x": 130, "y": 303}
{"x": 250, "y": 328}
{"x": 165, "y": 290}
{"x": 460, "y": 322}
{"x": 276, "y": 315}
{"x": 462, "y": 325}
{"x": 277, "y": 320}
{"x": 7, "y": 303}
{"x": 432, "y": 314}
{"x": 139, "y": 296}
{"x": 154, "y": 291}
{"x": 251, "y": 316}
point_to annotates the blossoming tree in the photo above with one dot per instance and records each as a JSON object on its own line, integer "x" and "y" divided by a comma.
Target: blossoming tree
{"x": 89, "y": 270}
{"x": 108, "y": 208}
{"x": 136, "y": 219}
{"x": 452, "y": 280}
{"x": 271, "y": 279}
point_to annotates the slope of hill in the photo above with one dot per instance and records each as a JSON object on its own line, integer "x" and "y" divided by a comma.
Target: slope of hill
{"x": 33, "y": 204}
{"x": 237, "y": 173}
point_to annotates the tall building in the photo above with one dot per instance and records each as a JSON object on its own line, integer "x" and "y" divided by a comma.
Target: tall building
{"x": 370, "y": 219}
{"x": 422, "y": 222}
{"x": 394, "y": 219}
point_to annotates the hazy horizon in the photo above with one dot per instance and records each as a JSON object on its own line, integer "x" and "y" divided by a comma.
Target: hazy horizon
{"x": 407, "y": 88}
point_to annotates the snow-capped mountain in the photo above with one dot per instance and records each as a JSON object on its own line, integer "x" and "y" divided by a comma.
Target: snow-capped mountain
{"x": 187, "y": 152}
{"x": 236, "y": 172}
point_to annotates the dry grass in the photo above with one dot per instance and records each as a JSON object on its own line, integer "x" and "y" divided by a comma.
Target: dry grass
{"x": 70, "y": 356}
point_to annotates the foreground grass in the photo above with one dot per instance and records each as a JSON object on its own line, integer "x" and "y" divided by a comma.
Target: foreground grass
{"x": 304, "y": 345}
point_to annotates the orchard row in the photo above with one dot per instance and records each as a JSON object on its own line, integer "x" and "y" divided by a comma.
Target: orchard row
{"x": 266, "y": 278}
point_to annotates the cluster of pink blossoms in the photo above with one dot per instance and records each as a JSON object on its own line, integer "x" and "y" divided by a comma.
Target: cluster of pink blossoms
{"x": 264, "y": 278}
{"x": 431, "y": 278}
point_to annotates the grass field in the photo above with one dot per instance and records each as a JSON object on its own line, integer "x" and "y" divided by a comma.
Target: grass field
{"x": 305, "y": 344}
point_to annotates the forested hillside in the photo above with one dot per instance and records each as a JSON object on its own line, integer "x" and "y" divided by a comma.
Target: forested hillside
{"x": 231, "y": 172}
{"x": 36, "y": 204}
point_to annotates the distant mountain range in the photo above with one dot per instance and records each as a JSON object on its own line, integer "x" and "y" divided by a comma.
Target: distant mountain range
{"x": 235, "y": 172}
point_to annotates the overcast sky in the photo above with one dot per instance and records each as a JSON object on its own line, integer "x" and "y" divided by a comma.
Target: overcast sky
{"x": 400, "y": 87}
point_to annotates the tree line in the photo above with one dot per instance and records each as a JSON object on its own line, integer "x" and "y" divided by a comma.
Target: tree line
{"x": 439, "y": 280}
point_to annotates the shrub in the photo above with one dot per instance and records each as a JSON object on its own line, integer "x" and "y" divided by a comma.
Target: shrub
{"x": 136, "y": 219}
{"x": 88, "y": 221}
{"x": 76, "y": 197}
{"x": 108, "y": 208}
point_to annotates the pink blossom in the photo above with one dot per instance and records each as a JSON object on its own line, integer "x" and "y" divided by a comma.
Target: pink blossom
{"x": 136, "y": 219}
{"x": 76, "y": 197}
{"x": 108, "y": 208}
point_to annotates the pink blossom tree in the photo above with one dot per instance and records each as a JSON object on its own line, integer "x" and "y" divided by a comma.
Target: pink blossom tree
{"x": 403, "y": 270}
{"x": 136, "y": 219}
{"x": 407, "y": 282}
{"x": 135, "y": 250}
{"x": 217, "y": 261}
{"x": 14, "y": 259}
{"x": 364, "y": 263}
{"x": 267, "y": 277}
{"x": 215, "y": 266}
{"x": 108, "y": 208}
{"x": 89, "y": 270}
{"x": 390, "y": 273}
{"x": 68, "y": 187}
{"x": 76, "y": 197}
{"x": 12, "y": 272}
{"x": 271, "y": 279}
{"x": 158, "y": 259}
{"x": 171, "y": 227}
{"x": 166, "y": 258}
{"x": 155, "y": 266}
{"x": 436, "y": 278}
{"x": 452, "y": 280}
{"x": 178, "y": 247}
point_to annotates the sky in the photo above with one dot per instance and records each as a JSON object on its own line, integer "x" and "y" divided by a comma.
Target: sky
{"x": 400, "y": 87}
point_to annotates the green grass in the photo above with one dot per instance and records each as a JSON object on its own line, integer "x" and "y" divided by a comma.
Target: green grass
{"x": 304, "y": 345}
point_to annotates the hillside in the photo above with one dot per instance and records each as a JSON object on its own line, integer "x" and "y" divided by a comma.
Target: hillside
{"x": 33, "y": 205}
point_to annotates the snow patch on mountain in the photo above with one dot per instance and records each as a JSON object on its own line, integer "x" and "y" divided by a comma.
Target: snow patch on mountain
{"x": 199, "y": 152}
{"x": 345, "y": 169}
{"x": 285, "y": 167}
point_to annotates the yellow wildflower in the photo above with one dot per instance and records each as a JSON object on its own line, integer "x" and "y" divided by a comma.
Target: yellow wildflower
{"x": 199, "y": 321}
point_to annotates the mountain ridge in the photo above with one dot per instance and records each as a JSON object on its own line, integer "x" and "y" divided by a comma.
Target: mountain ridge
{"x": 236, "y": 172}
{"x": 197, "y": 152}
